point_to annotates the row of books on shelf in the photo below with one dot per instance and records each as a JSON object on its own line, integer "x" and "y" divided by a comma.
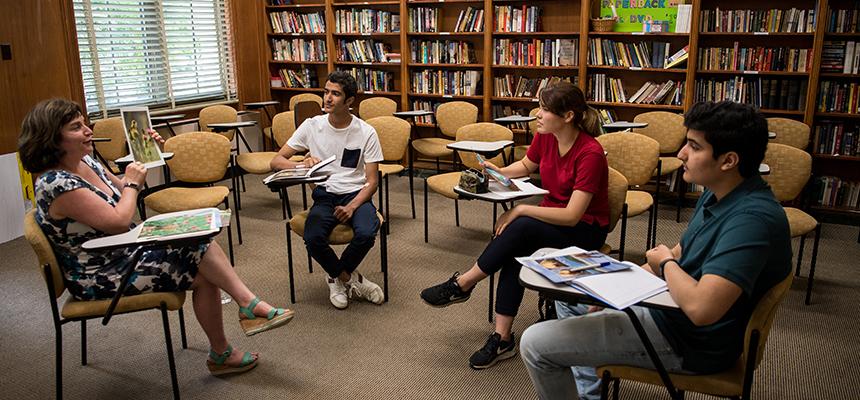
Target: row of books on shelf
{"x": 840, "y": 97}
{"x": 843, "y": 21}
{"x": 836, "y": 138}
{"x": 831, "y": 191}
{"x": 608, "y": 89}
{"x": 500, "y": 110}
{"x": 517, "y": 19}
{"x": 424, "y": 19}
{"x": 607, "y": 115}
{"x": 536, "y": 52}
{"x": 841, "y": 56}
{"x": 299, "y": 49}
{"x": 362, "y": 51}
{"x": 771, "y": 94}
{"x": 298, "y": 78}
{"x": 293, "y": 22}
{"x": 426, "y": 105}
{"x": 512, "y": 86}
{"x": 644, "y": 54}
{"x": 370, "y": 80}
{"x": 365, "y": 20}
{"x": 442, "y": 52}
{"x": 755, "y": 59}
{"x": 774, "y": 20}
{"x": 470, "y": 20}
{"x": 446, "y": 82}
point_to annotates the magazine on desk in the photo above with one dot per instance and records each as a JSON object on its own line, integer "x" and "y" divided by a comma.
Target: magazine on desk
{"x": 298, "y": 172}
{"x": 619, "y": 284}
{"x": 182, "y": 224}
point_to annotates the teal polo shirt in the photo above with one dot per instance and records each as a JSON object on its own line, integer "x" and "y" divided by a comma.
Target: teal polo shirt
{"x": 743, "y": 238}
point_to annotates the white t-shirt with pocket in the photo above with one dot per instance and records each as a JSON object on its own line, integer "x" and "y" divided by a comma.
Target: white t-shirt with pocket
{"x": 353, "y": 147}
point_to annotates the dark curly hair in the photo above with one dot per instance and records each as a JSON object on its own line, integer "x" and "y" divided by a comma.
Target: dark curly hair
{"x": 346, "y": 81}
{"x": 730, "y": 126}
{"x": 41, "y": 133}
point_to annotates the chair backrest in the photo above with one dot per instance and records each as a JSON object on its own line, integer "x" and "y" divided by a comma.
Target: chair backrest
{"x": 790, "y": 168}
{"x": 376, "y": 107}
{"x": 304, "y": 97}
{"x": 788, "y": 131}
{"x": 762, "y": 317}
{"x": 44, "y": 252}
{"x": 482, "y": 132}
{"x": 218, "y": 114}
{"x": 283, "y": 127}
{"x": 533, "y": 124}
{"x": 633, "y": 155}
{"x": 393, "y": 136}
{"x": 453, "y": 115}
{"x": 617, "y": 196}
{"x": 198, "y": 157}
{"x": 306, "y": 109}
{"x": 664, "y": 127}
{"x": 113, "y": 129}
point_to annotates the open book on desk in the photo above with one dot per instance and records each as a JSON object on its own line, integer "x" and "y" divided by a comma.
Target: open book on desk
{"x": 619, "y": 284}
{"x": 298, "y": 173}
{"x": 519, "y": 188}
{"x": 183, "y": 224}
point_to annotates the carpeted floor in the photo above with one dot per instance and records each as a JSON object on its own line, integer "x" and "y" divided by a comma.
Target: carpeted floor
{"x": 402, "y": 349}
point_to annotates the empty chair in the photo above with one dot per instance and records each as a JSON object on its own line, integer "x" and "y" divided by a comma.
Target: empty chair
{"x": 376, "y": 107}
{"x": 393, "y": 136}
{"x": 108, "y": 152}
{"x": 789, "y": 132}
{"x": 306, "y": 109}
{"x": 218, "y": 114}
{"x": 667, "y": 129}
{"x": 304, "y": 97}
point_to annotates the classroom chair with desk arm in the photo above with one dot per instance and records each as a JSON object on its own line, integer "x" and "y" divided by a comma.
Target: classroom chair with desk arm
{"x": 376, "y": 107}
{"x": 667, "y": 129}
{"x": 393, "y": 136}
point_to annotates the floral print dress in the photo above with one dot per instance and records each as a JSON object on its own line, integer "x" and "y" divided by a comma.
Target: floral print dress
{"x": 92, "y": 275}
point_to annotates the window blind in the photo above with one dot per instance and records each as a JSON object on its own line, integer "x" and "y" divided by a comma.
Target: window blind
{"x": 158, "y": 53}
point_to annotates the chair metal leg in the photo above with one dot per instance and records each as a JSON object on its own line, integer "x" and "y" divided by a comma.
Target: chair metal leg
{"x": 387, "y": 208}
{"x": 290, "y": 263}
{"x": 411, "y": 178}
{"x": 615, "y": 384}
{"x": 58, "y": 348}
{"x": 383, "y": 257}
{"x": 800, "y": 254}
{"x": 238, "y": 223}
{"x": 283, "y": 204}
{"x": 656, "y": 211}
{"x": 623, "y": 232}
{"x": 304, "y": 197}
{"x": 604, "y": 385}
{"x": 169, "y": 343}
{"x": 812, "y": 264}
{"x": 230, "y": 245}
{"x": 310, "y": 263}
{"x": 651, "y": 213}
{"x": 83, "y": 342}
{"x": 456, "y": 212}
{"x": 182, "y": 329}
{"x": 425, "y": 210}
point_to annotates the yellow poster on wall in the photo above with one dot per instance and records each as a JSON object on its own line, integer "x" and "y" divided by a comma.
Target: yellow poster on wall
{"x": 26, "y": 182}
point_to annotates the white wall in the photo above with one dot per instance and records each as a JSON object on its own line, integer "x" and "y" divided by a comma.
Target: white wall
{"x": 11, "y": 197}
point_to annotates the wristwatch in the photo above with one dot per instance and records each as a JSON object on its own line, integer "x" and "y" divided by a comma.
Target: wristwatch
{"x": 132, "y": 185}
{"x": 663, "y": 265}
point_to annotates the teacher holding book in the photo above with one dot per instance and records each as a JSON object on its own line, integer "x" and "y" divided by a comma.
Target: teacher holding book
{"x": 77, "y": 200}
{"x": 575, "y": 212}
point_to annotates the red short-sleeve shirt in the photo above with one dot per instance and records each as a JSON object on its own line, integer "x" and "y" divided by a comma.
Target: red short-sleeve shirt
{"x": 584, "y": 167}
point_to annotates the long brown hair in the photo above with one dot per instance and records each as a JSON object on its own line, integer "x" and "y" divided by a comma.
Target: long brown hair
{"x": 565, "y": 96}
{"x": 41, "y": 133}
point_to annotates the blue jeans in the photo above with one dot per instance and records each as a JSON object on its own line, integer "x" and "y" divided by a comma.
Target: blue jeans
{"x": 584, "y": 341}
{"x": 320, "y": 223}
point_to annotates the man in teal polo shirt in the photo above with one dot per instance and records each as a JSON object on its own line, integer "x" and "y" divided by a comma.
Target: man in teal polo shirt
{"x": 736, "y": 247}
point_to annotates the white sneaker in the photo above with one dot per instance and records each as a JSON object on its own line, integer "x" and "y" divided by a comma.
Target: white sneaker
{"x": 337, "y": 293}
{"x": 365, "y": 289}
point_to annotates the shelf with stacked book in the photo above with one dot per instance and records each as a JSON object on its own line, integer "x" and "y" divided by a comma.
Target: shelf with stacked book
{"x": 365, "y": 3}
{"x": 824, "y": 114}
{"x": 298, "y": 48}
{"x": 665, "y": 107}
{"x": 639, "y": 34}
{"x": 740, "y": 72}
{"x": 274, "y": 5}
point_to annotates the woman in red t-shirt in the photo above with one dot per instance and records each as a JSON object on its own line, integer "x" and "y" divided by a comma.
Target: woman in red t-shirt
{"x": 575, "y": 212}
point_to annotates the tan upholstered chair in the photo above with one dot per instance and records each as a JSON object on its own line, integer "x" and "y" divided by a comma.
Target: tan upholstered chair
{"x": 200, "y": 159}
{"x": 218, "y": 114}
{"x": 520, "y": 151}
{"x": 617, "y": 208}
{"x": 376, "y": 107}
{"x": 790, "y": 169}
{"x": 108, "y": 152}
{"x": 737, "y": 381}
{"x": 444, "y": 183}
{"x": 80, "y": 311}
{"x": 304, "y": 97}
{"x": 304, "y": 110}
{"x": 393, "y": 136}
{"x": 667, "y": 129}
{"x": 635, "y": 156}
{"x": 341, "y": 235}
{"x": 450, "y": 117}
{"x": 790, "y": 132}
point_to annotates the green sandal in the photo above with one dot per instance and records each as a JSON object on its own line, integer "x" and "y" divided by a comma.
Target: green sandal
{"x": 217, "y": 367}
{"x": 253, "y": 324}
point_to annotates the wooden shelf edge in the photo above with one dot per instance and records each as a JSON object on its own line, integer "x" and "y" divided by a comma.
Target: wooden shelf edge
{"x": 635, "y": 105}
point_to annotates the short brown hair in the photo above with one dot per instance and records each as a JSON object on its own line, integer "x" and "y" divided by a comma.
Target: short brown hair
{"x": 565, "y": 96}
{"x": 41, "y": 133}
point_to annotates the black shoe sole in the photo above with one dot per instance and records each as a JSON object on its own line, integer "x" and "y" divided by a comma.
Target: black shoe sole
{"x": 460, "y": 300}
{"x": 501, "y": 357}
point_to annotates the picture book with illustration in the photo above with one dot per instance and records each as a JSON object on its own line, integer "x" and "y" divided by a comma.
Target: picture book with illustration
{"x": 181, "y": 224}
{"x": 566, "y": 267}
{"x": 299, "y": 172}
{"x": 141, "y": 145}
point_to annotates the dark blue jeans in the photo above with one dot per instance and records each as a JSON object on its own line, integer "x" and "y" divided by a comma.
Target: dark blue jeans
{"x": 321, "y": 221}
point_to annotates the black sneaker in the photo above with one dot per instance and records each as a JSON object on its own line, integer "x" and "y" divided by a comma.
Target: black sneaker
{"x": 494, "y": 350}
{"x": 445, "y": 293}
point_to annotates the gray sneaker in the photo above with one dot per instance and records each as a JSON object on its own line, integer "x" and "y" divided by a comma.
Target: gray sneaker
{"x": 361, "y": 287}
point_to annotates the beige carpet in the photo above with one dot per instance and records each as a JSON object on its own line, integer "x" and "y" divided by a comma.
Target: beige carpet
{"x": 403, "y": 349}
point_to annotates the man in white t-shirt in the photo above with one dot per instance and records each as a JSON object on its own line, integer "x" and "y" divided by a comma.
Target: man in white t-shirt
{"x": 345, "y": 197}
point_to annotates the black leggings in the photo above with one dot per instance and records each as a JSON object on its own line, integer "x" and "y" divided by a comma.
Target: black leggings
{"x": 520, "y": 239}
